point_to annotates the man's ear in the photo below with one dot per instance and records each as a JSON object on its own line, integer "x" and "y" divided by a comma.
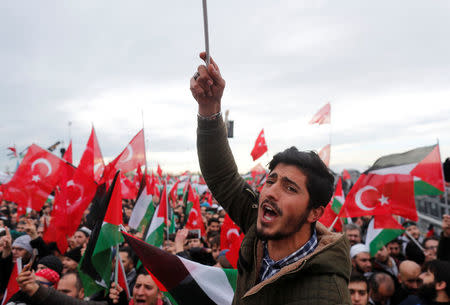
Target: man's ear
{"x": 315, "y": 214}
{"x": 81, "y": 294}
{"x": 441, "y": 286}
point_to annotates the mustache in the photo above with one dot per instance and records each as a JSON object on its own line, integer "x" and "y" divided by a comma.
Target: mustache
{"x": 274, "y": 205}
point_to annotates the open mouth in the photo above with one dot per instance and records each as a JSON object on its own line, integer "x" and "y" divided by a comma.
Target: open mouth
{"x": 269, "y": 212}
{"x": 139, "y": 301}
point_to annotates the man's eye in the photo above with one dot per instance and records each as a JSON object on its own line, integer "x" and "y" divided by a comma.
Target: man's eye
{"x": 269, "y": 182}
{"x": 292, "y": 189}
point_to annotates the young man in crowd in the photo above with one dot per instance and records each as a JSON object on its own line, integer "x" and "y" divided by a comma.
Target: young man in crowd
{"x": 359, "y": 289}
{"x": 286, "y": 255}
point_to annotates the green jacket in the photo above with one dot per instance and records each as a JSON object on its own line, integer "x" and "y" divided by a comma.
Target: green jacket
{"x": 320, "y": 278}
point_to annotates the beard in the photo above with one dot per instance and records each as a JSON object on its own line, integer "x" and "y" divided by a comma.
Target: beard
{"x": 427, "y": 292}
{"x": 291, "y": 226}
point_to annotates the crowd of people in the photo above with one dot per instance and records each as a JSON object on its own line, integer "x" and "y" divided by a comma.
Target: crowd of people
{"x": 402, "y": 272}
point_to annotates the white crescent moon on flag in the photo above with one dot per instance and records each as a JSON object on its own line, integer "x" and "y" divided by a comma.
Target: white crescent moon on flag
{"x": 130, "y": 154}
{"x": 232, "y": 231}
{"x": 43, "y": 161}
{"x": 71, "y": 183}
{"x": 358, "y": 197}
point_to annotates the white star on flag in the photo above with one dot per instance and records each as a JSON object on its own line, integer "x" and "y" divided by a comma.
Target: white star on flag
{"x": 36, "y": 178}
{"x": 383, "y": 200}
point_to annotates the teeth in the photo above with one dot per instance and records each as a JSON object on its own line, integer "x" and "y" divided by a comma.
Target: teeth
{"x": 267, "y": 218}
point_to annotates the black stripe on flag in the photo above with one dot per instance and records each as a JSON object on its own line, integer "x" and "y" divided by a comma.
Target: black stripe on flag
{"x": 170, "y": 271}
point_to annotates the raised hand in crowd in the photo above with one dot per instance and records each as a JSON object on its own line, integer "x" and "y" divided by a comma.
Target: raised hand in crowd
{"x": 27, "y": 281}
{"x": 30, "y": 229}
{"x": 6, "y": 242}
{"x": 207, "y": 87}
{"x": 180, "y": 240}
{"x": 114, "y": 292}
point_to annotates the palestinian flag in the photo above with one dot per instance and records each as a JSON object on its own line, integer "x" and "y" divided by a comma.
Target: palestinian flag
{"x": 333, "y": 208}
{"x": 377, "y": 238}
{"x": 143, "y": 209}
{"x": 109, "y": 236}
{"x": 423, "y": 163}
{"x": 155, "y": 232}
{"x": 13, "y": 286}
{"x": 92, "y": 278}
{"x": 186, "y": 281}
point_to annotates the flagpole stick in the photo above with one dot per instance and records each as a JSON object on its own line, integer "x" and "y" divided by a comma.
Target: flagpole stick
{"x": 443, "y": 180}
{"x": 205, "y": 28}
{"x": 414, "y": 241}
{"x": 116, "y": 271}
{"x": 334, "y": 222}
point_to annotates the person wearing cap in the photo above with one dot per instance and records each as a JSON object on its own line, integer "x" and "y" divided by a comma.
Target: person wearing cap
{"x": 71, "y": 259}
{"x": 11, "y": 251}
{"x": 287, "y": 256}
{"x": 360, "y": 255}
{"x": 81, "y": 236}
{"x": 52, "y": 262}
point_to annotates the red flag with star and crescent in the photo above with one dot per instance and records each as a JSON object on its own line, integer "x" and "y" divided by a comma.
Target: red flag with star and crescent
{"x": 260, "y": 146}
{"x": 195, "y": 220}
{"x": 92, "y": 160}
{"x": 35, "y": 178}
{"x": 133, "y": 155}
{"x": 322, "y": 116}
{"x": 381, "y": 195}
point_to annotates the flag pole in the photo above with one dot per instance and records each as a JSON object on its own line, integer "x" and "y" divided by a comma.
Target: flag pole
{"x": 334, "y": 222}
{"x": 414, "y": 241}
{"x": 205, "y": 28}
{"x": 116, "y": 271}
{"x": 443, "y": 179}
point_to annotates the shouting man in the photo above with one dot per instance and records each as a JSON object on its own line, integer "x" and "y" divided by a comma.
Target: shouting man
{"x": 286, "y": 256}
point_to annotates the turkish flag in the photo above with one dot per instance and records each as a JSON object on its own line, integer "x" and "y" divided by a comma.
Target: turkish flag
{"x": 260, "y": 146}
{"x": 92, "y": 160}
{"x": 35, "y": 178}
{"x": 386, "y": 222}
{"x": 68, "y": 153}
{"x": 129, "y": 188}
{"x": 324, "y": 154}
{"x": 75, "y": 192}
{"x": 228, "y": 233}
{"x": 233, "y": 255}
{"x": 159, "y": 171}
{"x": 195, "y": 220}
{"x": 322, "y": 116}
{"x": 133, "y": 155}
{"x": 381, "y": 194}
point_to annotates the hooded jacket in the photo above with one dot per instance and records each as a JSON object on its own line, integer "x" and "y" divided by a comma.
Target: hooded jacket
{"x": 319, "y": 278}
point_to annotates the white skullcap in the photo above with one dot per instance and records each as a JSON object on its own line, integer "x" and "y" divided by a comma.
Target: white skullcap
{"x": 358, "y": 248}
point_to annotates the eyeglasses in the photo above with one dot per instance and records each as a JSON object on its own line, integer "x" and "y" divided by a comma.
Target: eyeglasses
{"x": 431, "y": 248}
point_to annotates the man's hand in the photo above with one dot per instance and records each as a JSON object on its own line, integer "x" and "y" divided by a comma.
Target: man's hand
{"x": 30, "y": 229}
{"x": 114, "y": 292}
{"x": 6, "y": 243}
{"x": 446, "y": 225}
{"x": 27, "y": 282}
{"x": 180, "y": 240}
{"x": 208, "y": 88}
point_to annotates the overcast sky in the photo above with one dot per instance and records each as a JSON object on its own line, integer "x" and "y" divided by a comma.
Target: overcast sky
{"x": 384, "y": 66}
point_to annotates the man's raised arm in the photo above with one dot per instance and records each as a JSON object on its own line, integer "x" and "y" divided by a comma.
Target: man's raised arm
{"x": 216, "y": 160}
